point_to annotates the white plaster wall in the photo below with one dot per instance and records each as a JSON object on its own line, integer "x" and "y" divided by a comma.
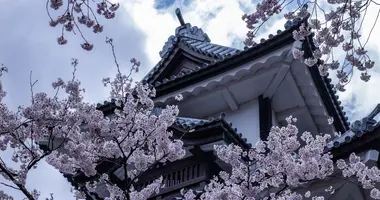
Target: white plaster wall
{"x": 246, "y": 120}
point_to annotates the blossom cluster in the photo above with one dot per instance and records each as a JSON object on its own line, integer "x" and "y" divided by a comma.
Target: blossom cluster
{"x": 327, "y": 38}
{"x": 47, "y": 119}
{"x": 338, "y": 28}
{"x": 275, "y": 168}
{"x": 76, "y": 13}
{"x": 367, "y": 177}
{"x": 77, "y": 137}
{"x": 134, "y": 137}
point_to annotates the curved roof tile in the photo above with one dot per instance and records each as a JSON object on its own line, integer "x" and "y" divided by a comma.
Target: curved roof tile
{"x": 358, "y": 129}
{"x": 349, "y": 137}
{"x": 194, "y": 123}
{"x": 194, "y": 38}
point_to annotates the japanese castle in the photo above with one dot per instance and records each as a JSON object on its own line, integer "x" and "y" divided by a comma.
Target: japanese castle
{"x": 236, "y": 96}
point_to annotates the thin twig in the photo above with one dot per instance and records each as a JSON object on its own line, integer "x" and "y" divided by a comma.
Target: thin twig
{"x": 10, "y": 186}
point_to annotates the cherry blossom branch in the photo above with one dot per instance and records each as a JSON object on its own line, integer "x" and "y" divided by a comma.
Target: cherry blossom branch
{"x": 73, "y": 14}
{"x": 346, "y": 18}
{"x": 19, "y": 185}
{"x": 34, "y": 162}
{"x": 11, "y": 186}
{"x": 31, "y": 86}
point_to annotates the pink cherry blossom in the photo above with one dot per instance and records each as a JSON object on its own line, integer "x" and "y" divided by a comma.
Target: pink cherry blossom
{"x": 333, "y": 30}
{"x": 274, "y": 168}
{"x": 78, "y": 136}
{"x": 77, "y": 14}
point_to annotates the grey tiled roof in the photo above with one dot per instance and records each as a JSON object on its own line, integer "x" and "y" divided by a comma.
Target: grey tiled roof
{"x": 358, "y": 129}
{"x": 194, "y": 123}
{"x": 209, "y": 49}
{"x": 324, "y": 85}
{"x": 348, "y": 137}
{"x": 194, "y": 38}
{"x": 186, "y": 122}
{"x": 227, "y": 55}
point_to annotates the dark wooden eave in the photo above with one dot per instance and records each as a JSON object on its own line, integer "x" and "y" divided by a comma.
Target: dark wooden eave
{"x": 368, "y": 141}
{"x": 364, "y": 135}
{"x": 326, "y": 91}
{"x": 209, "y": 131}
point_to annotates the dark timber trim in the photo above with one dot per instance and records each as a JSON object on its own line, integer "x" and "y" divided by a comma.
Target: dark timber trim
{"x": 265, "y": 116}
{"x": 326, "y": 90}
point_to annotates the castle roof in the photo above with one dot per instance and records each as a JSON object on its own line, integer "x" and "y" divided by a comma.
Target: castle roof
{"x": 212, "y": 59}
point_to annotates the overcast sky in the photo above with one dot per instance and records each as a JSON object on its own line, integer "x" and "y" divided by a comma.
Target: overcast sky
{"x": 140, "y": 29}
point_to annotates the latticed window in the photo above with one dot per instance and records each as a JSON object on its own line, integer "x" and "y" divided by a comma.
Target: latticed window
{"x": 180, "y": 176}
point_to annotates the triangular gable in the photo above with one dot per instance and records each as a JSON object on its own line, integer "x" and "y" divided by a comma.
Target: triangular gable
{"x": 179, "y": 60}
{"x": 189, "y": 50}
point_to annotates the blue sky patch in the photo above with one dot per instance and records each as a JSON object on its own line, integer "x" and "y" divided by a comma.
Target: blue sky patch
{"x": 164, "y": 4}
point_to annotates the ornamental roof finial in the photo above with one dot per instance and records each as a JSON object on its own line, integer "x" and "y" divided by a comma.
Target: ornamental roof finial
{"x": 375, "y": 112}
{"x": 179, "y": 16}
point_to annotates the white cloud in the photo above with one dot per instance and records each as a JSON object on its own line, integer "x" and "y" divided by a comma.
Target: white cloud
{"x": 157, "y": 27}
{"x": 366, "y": 94}
{"x": 221, "y": 20}
{"x": 360, "y": 97}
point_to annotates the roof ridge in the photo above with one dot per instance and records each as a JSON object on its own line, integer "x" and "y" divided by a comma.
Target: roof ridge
{"x": 216, "y": 52}
{"x": 187, "y": 39}
{"x": 188, "y": 31}
{"x": 213, "y": 50}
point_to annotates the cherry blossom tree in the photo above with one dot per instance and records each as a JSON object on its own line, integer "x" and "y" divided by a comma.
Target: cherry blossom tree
{"x": 20, "y": 131}
{"x": 78, "y": 137}
{"x": 135, "y": 139}
{"x": 278, "y": 167}
{"x": 337, "y": 30}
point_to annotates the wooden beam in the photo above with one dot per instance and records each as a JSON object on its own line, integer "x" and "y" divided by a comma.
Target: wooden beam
{"x": 326, "y": 128}
{"x": 277, "y": 80}
{"x": 370, "y": 158}
{"x": 308, "y": 90}
{"x": 348, "y": 191}
{"x": 232, "y": 103}
{"x": 320, "y": 120}
{"x": 317, "y": 110}
{"x": 291, "y": 111}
